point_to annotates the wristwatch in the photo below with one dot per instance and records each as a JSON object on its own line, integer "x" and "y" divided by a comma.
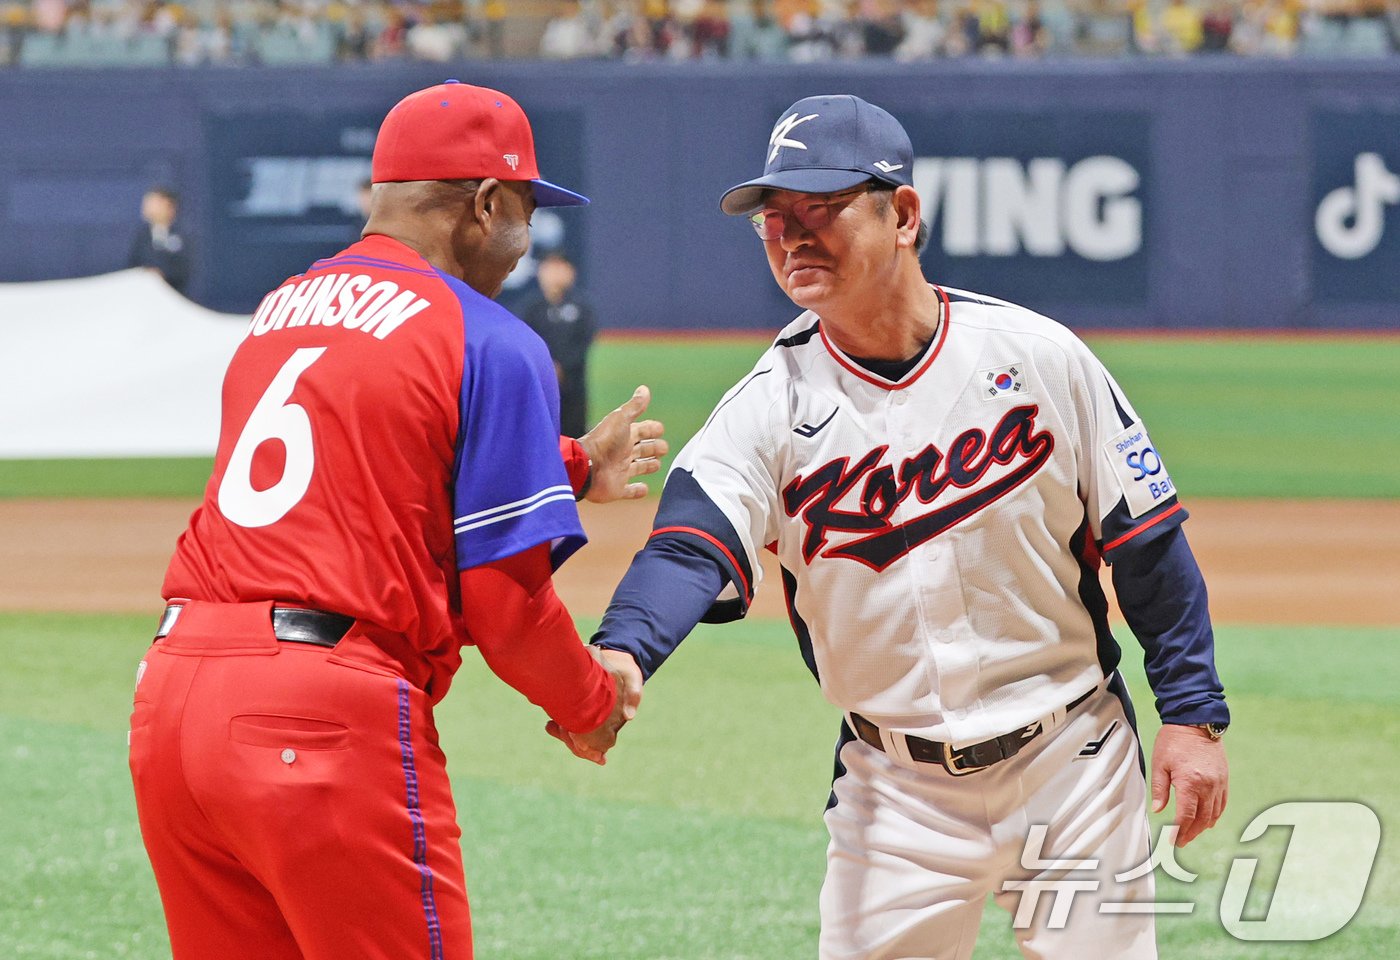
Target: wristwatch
{"x": 1213, "y": 730}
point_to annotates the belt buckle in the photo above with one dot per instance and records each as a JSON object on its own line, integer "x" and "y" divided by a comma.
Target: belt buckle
{"x": 950, "y": 762}
{"x": 167, "y": 620}
{"x": 951, "y": 757}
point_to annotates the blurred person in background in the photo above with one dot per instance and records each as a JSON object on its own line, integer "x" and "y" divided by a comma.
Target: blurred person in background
{"x": 883, "y": 28}
{"x": 1147, "y": 37}
{"x": 206, "y": 40}
{"x": 441, "y": 35}
{"x": 1247, "y": 32}
{"x": 963, "y": 35}
{"x": 568, "y": 35}
{"x": 49, "y": 15}
{"x": 359, "y": 215}
{"x": 993, "y": 27}
{"x": 709, "y": 31}
{"x": 810, "y": 35}
{"x": 1104, "y": 28}
{"x": 364, "y": 196}
{"x": 676, "y": 27}
{"x": 1182, "y": 30}
{"x": 754, "y": 31}
{"x": 495, "y": 13}
{"x": 672, "y": 21}
{"x": 1216, "y": 26}
{"x": 1060, "y": 25}
{"x": 635, "y": 34}
{"x": 566, "y": 323}
{"x": 388, "y": 42}
{"x": 158, "y": 246}
{"x": 667, "y": 38}
{"x": 1368, "y": 31}
{"x": 13, "y": 26}
{"x": 1029, "y": 35}
{"x": 924, "y": 32}
{"x": 354, "y": 36}
{"x": 1280, "y": 29}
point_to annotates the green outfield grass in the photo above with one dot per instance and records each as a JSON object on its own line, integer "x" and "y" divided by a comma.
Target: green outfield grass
{"x": 1236, "y": 416}
{"x": 701, "y": 839}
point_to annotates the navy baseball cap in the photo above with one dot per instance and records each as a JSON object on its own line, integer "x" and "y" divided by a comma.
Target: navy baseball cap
{"x": 827, "y": 144}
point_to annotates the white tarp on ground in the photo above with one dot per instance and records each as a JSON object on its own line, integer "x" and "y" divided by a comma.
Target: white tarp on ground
{"x": 113, "y": 366}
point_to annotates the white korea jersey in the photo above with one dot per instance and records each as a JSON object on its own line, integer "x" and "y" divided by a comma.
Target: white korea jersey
{"x": 940, "y": 534}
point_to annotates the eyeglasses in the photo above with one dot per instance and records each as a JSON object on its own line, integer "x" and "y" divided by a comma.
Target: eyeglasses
{"x": 812, "y": 214}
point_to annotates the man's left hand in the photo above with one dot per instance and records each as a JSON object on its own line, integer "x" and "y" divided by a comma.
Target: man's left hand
{"x": 1187, "y": 759}
{"x": 623, "y": 448}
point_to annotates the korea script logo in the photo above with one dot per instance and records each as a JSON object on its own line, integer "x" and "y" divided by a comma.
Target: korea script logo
{"x": 927, "y": 475}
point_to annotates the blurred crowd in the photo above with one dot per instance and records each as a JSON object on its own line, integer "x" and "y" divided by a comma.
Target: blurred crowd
{"x": 195, "y": 32}
{"x": 272, "y": 32}
{"x": 907, "y": 30}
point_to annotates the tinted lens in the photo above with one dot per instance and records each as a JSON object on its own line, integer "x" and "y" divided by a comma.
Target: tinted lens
{"x": 768, "y": 224}
{"x": 813, "y": 216}
{"x": 810, "y": 214}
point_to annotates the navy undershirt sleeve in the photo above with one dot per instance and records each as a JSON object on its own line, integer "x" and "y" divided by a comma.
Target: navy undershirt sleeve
{"x": 1163, "y": 597}
{"x": 670, "y": 587}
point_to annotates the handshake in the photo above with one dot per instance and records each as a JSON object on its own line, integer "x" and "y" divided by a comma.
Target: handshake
{"x": 595, "y": 744}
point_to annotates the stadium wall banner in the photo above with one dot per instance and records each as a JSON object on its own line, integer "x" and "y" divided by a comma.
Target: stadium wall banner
{"x": 1037, "y": 205}
{"x": 284, "y": 191}
{"x": 1205, "y": 193}
{"x": 1356, "y": 195}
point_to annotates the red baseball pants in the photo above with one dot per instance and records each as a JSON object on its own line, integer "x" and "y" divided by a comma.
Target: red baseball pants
{"x": 295, "y": 804}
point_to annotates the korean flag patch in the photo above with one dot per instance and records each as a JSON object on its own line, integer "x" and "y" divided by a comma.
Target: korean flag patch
{"x": 1005, "y": 381}
{"x": 1139, "y": 469}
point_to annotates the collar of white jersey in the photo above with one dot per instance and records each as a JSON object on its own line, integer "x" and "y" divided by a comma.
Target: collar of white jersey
{"x": 939, "y": 336}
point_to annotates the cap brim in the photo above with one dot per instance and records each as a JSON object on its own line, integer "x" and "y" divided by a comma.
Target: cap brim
{"x": 746, "y": 197}
{"x": 552, "y": 195}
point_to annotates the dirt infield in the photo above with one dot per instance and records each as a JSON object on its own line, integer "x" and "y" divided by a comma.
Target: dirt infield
{"x": 1276, "y": 561}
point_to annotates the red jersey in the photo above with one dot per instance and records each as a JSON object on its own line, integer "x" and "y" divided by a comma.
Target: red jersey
{"x": 384, "y": 426}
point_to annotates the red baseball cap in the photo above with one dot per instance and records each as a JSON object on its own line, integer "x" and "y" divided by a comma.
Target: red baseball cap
{"x": 455, "y": 131}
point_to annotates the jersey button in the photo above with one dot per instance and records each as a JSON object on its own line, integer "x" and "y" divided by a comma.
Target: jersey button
{"x": 900, "y": 399}
{"x": 289, "y": 755}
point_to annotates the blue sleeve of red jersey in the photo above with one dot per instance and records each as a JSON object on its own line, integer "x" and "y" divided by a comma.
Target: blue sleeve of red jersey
{"x": 510, "y": 488}
{"x": 1163, "y": 597}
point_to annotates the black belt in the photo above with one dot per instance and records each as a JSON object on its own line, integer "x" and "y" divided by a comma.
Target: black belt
{"x": 963, "y": 760}
{"x": 292, "y": 624}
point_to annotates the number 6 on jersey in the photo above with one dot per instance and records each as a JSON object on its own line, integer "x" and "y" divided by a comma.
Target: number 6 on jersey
{"x": 272, "y": 419}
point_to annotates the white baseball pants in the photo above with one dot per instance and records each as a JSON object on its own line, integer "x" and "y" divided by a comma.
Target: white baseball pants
{"x": 915, "y": 851}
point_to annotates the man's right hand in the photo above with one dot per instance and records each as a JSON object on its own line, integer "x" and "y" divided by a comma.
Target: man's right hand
{"x": 595, "y": 744}
{"x": 622, "y": 448}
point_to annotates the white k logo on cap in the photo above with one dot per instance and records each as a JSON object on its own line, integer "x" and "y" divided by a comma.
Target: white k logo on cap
{"x": 780, "y": 138}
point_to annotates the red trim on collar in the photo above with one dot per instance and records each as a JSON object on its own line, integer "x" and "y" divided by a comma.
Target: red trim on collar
{"x": 909, "y": 379}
